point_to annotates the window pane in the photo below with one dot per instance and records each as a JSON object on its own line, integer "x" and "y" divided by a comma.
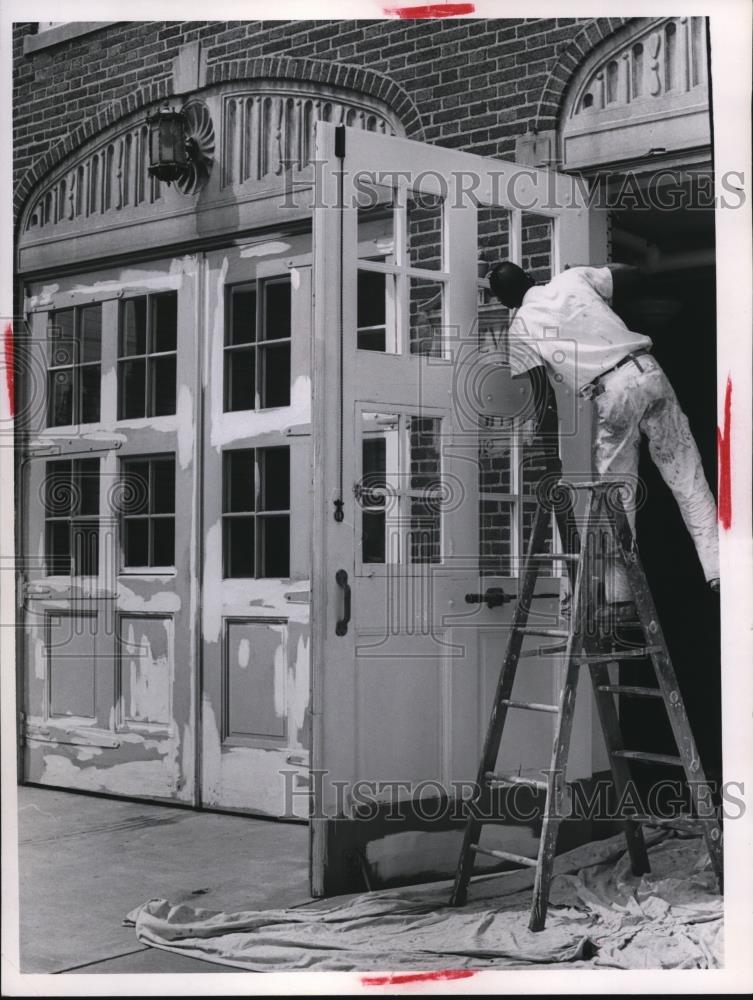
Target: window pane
{"x": 58, "y": 548}
{"x": 494, "y": 461}
{"x": 275, "y": 387}
{"x": 374, "y": 472}
{"x": 133, "y": 327}
{"x": 165, "y": 322}
{"x": 242, "y": 327}
{"x": 238, "y": 546}
{"x": 424, "y": 230}
{"x": 162, "y": 486}
{"x": 373, "y": 536}
{"x": 276, "y": 310}
{"x": 89, "y": 390}
{"x": 91, "y": 333}
{"x": 60, "y": 496}
{"x": 60, "y": 397}
{"x": 134, "y": 497}
{"x": 371, "y": 311}
{"x": 136, "y": 541}
{"x": 162, "y": 385}
{"x": 274, "y": 541}
{"x": 132, "y": 389}
{"x": 495, "y": 541}
{"x": 275, "y": 479}
{"x": 424, "y": 531}
{"x": 240, "y": 379}
{"x": 426, "y": 317}
{"x": 62, "y": 339}
{"x": 238, "y": 475}
{"x": 86, "y": 548}
{"x": 88, "y": 485}
{"x": 163, "y": 541}
{"x": 424, "y": 452}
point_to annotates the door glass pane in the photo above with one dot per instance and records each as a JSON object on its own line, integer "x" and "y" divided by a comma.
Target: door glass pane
{"x": 162, "y": 385}
{"x": 240, "y": 379}
{"x": 376, "y": 228}
{"x": 495, "y": 542}
{"x": 86, "y": 547}
{"x": 425, "y": 477}
{"x": 89, "y": 386}
{"x": 275, "y": 375}
{"x": 132, "y": 388}
{"x": 276, "y": 323}
{"x": 424, "y": 230}
{"x": 537, "y": 245}
{"x": 372, "y": 296}
{"x": 162, "y": 487}
{"x": 163, "y": 541}
{"x": 275, "y": 479}
{"x": 493, "y": 248}
{"x": 378, "y": 497}
{"x": 238, "y": 475}
{"x": 426, "y": 317}
{"x": 164, "y": 322}
{"x": 60, "y": 397}
{"x": 133, "y": 327}
{"x": 58, "y": 548}
{"x": 88, "y": 486}
{"x": 238, "y": 547}
{"x": 91, "y": 333}
{"x": 274, "y": 544}
{"x": 242, "y": 326}
{"x": 136, "y": 541}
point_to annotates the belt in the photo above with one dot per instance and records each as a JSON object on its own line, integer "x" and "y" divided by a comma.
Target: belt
{"x": 594, "y": 387}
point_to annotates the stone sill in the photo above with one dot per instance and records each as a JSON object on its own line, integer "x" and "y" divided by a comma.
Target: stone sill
{"x": 61, "y": 33}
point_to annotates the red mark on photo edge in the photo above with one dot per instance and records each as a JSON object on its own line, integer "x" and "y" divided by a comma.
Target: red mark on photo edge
{"x": 399, "y": 979}
{"x": 723, "y": 440}
{"x": 8, "y": 350}
{"x": 431, "y": 10}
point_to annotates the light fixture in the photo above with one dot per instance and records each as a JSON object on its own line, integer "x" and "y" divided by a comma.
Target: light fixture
{"x": 168, "y": 144}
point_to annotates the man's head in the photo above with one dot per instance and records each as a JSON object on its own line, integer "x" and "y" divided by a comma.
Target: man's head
{"x": 509, "y": 283}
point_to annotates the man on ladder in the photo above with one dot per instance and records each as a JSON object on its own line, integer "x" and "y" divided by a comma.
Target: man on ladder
{"x": 567, "y": 329}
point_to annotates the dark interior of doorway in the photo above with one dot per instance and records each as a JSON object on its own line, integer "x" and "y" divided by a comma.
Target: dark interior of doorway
{"x": 676, "y": 307}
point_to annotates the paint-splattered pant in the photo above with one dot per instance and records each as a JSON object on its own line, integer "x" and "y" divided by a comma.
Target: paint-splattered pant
{"x": 637, "y": 401}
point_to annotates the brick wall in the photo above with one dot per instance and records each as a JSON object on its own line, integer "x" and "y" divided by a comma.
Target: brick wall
{"x": 477, "y": 84}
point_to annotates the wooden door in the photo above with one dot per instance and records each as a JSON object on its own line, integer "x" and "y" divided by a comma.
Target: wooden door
{"x": 422, "y": 486}
{"x": 255, "y": 522}
{"x": 108, "y": 492}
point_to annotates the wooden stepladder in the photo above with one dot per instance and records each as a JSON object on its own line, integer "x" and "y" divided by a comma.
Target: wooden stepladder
{"x": 588, "y": 641}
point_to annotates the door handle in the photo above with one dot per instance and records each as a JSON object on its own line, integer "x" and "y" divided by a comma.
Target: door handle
{"x": 493, "y": 598}
{"x": 341, "y": 579}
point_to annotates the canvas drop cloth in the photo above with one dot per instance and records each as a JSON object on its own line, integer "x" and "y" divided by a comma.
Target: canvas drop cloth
{"x": 600, "y": 915}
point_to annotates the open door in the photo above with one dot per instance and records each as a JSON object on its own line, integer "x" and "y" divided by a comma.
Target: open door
{"x": 423, "y": 492}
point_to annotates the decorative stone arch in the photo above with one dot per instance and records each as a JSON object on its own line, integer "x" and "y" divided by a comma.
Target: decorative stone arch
{"x": 365, "y": 82}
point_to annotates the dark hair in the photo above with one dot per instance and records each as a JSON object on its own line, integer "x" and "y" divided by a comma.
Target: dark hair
{"x": 509, "y": 282}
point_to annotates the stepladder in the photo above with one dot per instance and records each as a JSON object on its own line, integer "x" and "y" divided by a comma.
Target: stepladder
{"x": 588, "y": 639}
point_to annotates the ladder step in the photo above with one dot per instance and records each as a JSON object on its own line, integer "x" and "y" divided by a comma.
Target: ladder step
{"x": 644, "y": 757}
{"x": 527, "y": 654}
{"x": 547, "y": 633}
{"x": 555, "y": 556}
{"x": 611, "y": 656}
{"x": 532, "y": 706}
{"x": 662, "y": 820}
{"x": 517, "y": 859}
{"x": 515, "y": 779}
{"x": 636, "y": 692}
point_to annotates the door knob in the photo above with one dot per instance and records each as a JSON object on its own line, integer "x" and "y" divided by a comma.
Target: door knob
{"x": 493, "y": 598}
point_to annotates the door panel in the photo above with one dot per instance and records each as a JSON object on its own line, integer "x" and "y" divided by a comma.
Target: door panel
{"x": 423, "y": 488}
{"x": 107, "y": 543}
{"x": 256, "y": 513}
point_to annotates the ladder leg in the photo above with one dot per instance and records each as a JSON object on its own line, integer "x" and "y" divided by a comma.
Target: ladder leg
{"x": 665, "y": 674}
{"x": 561, "y": 745}
{"x": 610, "y": 726}
{"x": 499, "y": 709}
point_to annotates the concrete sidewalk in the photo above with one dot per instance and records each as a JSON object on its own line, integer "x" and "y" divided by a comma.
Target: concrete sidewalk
{"x": 85, "y": 862}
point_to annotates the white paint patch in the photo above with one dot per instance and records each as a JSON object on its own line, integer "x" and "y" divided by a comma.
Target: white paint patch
{"x": 40, "y": 660}
{"x": 136, "y": 281}
{"x": 166, "y": 601}
{"x": 212, "y": 600}
{"x": 244, "y": 653}
{"x": 185, "y": 426}
{"x": 298, "y": 688}
{"x": 88, "y": 753}
{"x": 272, "y": 249}
{"x": 295, "y": 278}
{"x": 149, "y": 681}
{"x": 234, "y": 426}
{"x": 279, "y": 667}
{"x": 138, "y": 777}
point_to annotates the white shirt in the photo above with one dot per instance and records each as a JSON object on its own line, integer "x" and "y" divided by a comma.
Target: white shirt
{"x": 568, "y": 326}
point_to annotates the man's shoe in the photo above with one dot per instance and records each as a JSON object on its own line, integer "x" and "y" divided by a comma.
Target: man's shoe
{"x": 714, "y": 584}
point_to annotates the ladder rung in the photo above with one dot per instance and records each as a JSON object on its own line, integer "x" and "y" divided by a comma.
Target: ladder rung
{"x": 653, "y": 758}
{"x": 637, "y": 692}
{"x": 661, "y": 820}
{"x": 611, "y": 656}
{"x": 516, "y": 779}
{"x": 532, "y": 706}
{"x": 517, "y": 859}
{"x": 546, "y": 651}
{"x": 547, "y": 633}
{"x": 555, "y": 556}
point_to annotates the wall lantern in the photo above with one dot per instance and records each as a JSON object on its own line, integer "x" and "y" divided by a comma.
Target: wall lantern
{"x": 168, "y": 144}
